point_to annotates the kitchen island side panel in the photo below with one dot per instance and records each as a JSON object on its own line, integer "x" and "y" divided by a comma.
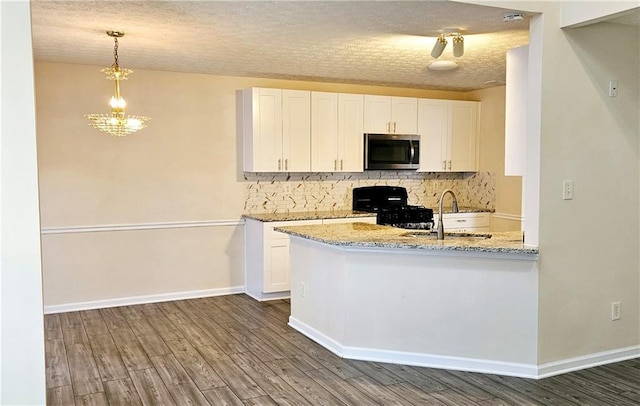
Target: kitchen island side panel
{"x": 418, "y": 302}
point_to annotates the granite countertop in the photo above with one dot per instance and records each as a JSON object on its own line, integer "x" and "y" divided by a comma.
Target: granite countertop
{"x": 307, "y": 215}
{"x": 372, "y": 236}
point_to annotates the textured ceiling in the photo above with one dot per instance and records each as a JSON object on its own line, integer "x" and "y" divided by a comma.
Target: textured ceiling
{"x": 384, "y": 43}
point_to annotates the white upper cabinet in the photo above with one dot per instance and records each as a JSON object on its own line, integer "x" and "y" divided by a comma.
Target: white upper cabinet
{"x": 390, "y": 115}
{"x": 350, "y": 133}
{"x": 276, "y": 130}
{"x": 336, "y": 132}
{"x": 448, "y": 135}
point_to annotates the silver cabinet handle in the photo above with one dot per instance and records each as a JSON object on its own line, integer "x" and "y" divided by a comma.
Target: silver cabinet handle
{"x": 449, "y": 165}
{"x": 444, "y": 165}
{"x": 286, "y": 164}
{"x": 461, "y": 220}
{"x": 279, "y": 164}
{"x": 335, "y": 164}
{"x": 341, "y": 164}
{"x": 388, "y": 126}
{"x": 394, "y": 126}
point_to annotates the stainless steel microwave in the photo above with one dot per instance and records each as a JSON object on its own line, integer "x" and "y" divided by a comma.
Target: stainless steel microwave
{"x": 391, "y": 151}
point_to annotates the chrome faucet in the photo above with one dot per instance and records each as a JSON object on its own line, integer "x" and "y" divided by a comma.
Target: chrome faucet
{"x": 454, "y": 208}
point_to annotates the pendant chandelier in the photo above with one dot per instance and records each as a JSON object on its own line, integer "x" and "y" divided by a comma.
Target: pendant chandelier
{"x": 117, "y": 123}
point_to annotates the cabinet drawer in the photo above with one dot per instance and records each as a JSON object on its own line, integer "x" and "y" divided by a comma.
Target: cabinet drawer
{"x": 457, "y": 221}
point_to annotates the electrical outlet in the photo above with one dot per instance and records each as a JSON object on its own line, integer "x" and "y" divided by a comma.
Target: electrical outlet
{"x": 567, "y": 189}
{"x": 615, "y": 311}
{"x": 303, "y": 289}
{"x": 613, "y": 88}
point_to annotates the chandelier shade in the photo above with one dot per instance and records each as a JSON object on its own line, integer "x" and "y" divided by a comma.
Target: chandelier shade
{"x": 117, "y": 123}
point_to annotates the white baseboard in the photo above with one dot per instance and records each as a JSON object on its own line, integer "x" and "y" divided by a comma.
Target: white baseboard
{"x": 127, "y": 301}
{"x": 466, "y": 364}
{"x": 587, "y": 361}
{"x": 265, "y": 297}
{"x": 415, "y": 359}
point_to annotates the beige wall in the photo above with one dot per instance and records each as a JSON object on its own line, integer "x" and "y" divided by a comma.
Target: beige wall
{"x": 508, "y": 188}
{"x": 589, "y": 245}
{"x": 185, "y": 168}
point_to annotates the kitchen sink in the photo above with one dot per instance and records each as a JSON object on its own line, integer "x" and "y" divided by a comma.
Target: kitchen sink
{"x": 433, "y": 236}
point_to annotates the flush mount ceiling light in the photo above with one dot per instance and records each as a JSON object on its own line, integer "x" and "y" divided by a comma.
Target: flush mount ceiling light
{"x": 441, "y": 43}
{"x": 117, "y": 123}
{"x": 443, "y": 65}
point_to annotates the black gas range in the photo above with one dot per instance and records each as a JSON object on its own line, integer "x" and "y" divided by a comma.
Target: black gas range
{"x": 392, "y": 208}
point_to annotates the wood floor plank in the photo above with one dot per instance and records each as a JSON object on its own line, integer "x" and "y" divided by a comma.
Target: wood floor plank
{"x": 325, "y": 357}
{"x": 261, "y": 401}
{"x": 221, "y": 337}
{"x": 187, "y": 394}
{"x": 107, "y": 358}
{"x": 375, "y": 371}
{"x": 378, "y": 391}
{"x": 130, "y": 349}
{"x": 449, "y": 380}
{"x": 340, "y": 388}
{"x": 222, "y": 397}
{"x": 74, "y": 335}
{"x": 150, "y": 388}
{"x": 95, "y": 326}
{"x": 532, "y": 390}
{"x": 190, "y": 330}
{"x": 261, "y": 348}
{"x": 452, "y": 398}
{"x": 70, "y": 319}
{"x": 150, "y": 310}
{"x": 113, "y": 318}
{"x": 92, "y": 399}
{"x": 303, "y": 384}
{"x": 495, "y": 402}
{"x": 170, "y": 370}
{"x": 131, "y": 312}
{"x": 414, "y": 395}
{"x": 141, "y": 327}
{"x": 165, "y": 329}
{"x": 501, "y": 392}
{"x": 60, "y": 396}
{"x": 303, "y": 361}
{"x": 84, "y": 372}
{"x": 415, "y": 378}
{"x": 196, "y": 367}
{"x": 281, "y": 392}
{"x": 122, "y": 392}
{"x": 573, "y": 386}
{"x": 153, "y": 345}
{"x": 57, "y": 368}
{"x": 242, "y": 385}
{"x": 52, "y": 327}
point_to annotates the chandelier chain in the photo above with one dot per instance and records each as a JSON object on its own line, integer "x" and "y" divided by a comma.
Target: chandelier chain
{"x": 115, "y": 53}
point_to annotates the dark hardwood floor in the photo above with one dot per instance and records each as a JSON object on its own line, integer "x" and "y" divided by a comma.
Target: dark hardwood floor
{"x": 232, "y": 350}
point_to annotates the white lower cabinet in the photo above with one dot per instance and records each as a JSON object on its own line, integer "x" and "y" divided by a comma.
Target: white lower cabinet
{"x": 473, "y": 222}
{"x": 267, "y": 255}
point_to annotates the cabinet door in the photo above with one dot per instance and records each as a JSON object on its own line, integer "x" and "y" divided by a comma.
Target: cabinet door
{"x": 324, "y": 132}
{"x": 262, "y": 129}
{"x": 350, "y": 133}
{"x": 463, "y": 136}
{"x": 433, "y": 129}
{"x": 296, "y": 131}
{"x": 404, "y": 115}
{"x": 377, "y": 114}
{"x": 278, "y": 280}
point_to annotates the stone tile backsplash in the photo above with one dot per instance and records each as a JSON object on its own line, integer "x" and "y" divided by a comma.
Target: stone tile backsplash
{"x": 294, "y": 192}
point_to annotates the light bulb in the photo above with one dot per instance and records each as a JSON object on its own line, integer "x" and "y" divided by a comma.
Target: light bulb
{"x": 458, "y": 46}
{"x": 441, "y": 42}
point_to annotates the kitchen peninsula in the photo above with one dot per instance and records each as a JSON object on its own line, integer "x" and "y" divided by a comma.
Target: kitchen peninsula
{"x": 380, "y": 293}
